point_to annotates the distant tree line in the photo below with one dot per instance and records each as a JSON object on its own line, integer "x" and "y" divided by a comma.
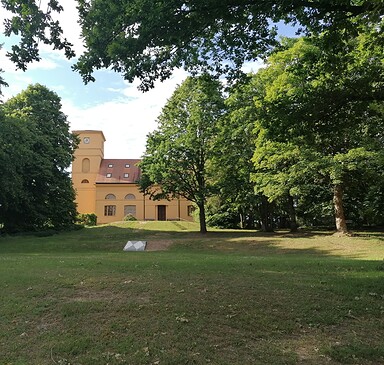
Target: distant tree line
{"x": 36, "y": 150}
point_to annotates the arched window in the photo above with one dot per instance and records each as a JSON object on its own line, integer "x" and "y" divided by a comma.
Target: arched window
{"x": 86, "y": 165}
{"x": 85, "y": 181}
{"x": 130, "y": 197}
{"x": 110, "y": 197}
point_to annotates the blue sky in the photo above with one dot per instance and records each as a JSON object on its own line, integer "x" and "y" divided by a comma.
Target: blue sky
{"x": 110, "y": 104}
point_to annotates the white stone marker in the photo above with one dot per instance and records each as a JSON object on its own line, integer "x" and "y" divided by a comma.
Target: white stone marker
{"x": 135, "y": 246}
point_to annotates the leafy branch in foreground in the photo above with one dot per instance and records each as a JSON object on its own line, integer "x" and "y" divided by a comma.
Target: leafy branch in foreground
{"x": 147, "y": 40}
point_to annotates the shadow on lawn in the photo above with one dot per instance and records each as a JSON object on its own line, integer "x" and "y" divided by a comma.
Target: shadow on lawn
{"x": 111, "y": 239}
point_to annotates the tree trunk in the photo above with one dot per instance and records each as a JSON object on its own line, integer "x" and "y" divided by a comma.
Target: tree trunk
{"x": 341, "y": 224}
{"x": 250, "y": 222}
{"x": 292, "y": 214}
{"x": 203, "y": 223}
{"x": 265, "y": 214}
{"x": 241, "y": 217}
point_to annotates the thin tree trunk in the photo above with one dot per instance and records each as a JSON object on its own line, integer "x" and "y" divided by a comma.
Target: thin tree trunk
{"x": 241, "y": 217}
{"x": 266, "y": 221}
{"x": 203, "y": 223}
{"x": 341, "y": 224}
{"x": 250, "y": 222}
{"x": 292, "y": 214}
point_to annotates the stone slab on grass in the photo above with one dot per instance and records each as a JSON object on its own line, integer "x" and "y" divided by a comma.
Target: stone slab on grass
{"x": 135, "y": 246}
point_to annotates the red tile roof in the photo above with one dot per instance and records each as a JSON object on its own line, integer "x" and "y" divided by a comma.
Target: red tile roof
{"x": 118, "y": 170}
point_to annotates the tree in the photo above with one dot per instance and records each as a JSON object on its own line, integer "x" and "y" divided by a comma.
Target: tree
{"x": 178, "y": 154}
{"x": 233, "y": 164}
{"x": 147, "y": 40}
{"x": 45, "y": 196}
{"x": 326, "y": 103}
{"x": 14, "y": 152}
{"x": 279, "y": 172}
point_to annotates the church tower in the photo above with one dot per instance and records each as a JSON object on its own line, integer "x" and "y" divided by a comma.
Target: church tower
{"x": 85, "y": 168}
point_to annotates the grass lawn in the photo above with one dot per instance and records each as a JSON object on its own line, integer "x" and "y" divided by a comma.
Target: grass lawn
{"x": 229, "y": 297}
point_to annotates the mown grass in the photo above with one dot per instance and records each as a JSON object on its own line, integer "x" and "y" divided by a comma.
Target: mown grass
{"x": 229, "y": 297}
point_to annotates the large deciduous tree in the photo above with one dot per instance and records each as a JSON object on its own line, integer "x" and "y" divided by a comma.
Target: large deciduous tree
{"x": 327, "y": 103}
{"x": 39, "y": 148}
{"x": 148, "y": 39}
{"x": 178, "y": 154}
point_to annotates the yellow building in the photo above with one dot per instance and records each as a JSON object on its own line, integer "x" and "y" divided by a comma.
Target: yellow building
{"x": 108, "y": 187}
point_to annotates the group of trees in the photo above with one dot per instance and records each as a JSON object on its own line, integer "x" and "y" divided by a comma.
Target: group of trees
{"x": 304, "y": 131}
{"x": 302, "y": 138}
{"x": 36, "y": 150}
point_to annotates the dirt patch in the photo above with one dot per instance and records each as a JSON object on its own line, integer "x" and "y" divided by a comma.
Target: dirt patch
{"x": 158, "y": 245}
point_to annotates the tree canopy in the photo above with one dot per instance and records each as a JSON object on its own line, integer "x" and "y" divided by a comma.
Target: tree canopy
{"x": 147, "y": 39}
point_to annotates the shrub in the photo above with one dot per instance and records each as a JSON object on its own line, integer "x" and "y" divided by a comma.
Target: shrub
{"x": 87, "y": 219}
{"x": 130, "y": 217}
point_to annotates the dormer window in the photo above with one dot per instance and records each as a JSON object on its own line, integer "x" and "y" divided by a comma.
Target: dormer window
{"x": 110, "y": 165}
{"x": 126, "y": 175}
{"x": 127, "y": 165}
{"x": 109, "y": 174}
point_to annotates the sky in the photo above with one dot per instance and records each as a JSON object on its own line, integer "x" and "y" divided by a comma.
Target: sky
{"x": 124, "y": 114}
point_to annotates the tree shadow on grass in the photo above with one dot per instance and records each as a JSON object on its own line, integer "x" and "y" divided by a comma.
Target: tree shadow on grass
{"x": 112, "y": 239}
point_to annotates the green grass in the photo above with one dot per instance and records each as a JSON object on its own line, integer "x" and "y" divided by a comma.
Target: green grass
{"x": 228, "y": 297}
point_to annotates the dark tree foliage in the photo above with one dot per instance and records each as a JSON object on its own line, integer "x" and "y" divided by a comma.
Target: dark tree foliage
{"x": 37, "y": 150}
{"x": 14, "y": 152}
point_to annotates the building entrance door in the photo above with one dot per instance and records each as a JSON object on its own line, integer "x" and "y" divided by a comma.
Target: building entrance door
{"x": 161, "y": 212}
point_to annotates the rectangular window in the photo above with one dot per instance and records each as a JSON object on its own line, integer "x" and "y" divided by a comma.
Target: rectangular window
{"x": 126, "y": 175}
{"x": 130, "y": 210}
{"x": 127, "y": 165}
{"x": 110, "y": 210}
{"x": 110, "y": 165}
{"x": 109, "y": 174}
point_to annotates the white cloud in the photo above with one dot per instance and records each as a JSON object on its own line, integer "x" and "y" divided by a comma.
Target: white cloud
{"x": 126, "y": 121}
{"x": 253, "y": 66}
{"x": 46, "y": 63}
{"x": 71, "y": 28}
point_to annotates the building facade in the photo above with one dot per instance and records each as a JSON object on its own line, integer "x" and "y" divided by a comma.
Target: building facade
{"x": 108, "y": 187}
